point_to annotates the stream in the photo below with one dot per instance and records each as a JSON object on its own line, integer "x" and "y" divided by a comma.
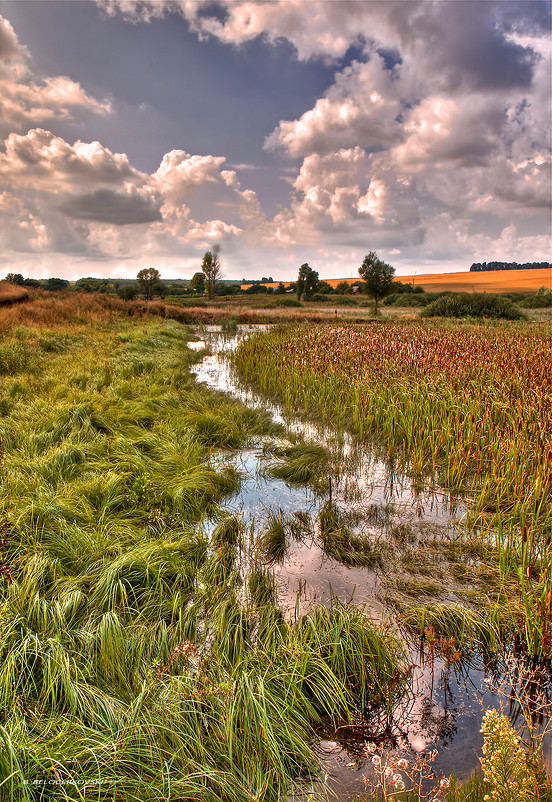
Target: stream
{"x": 448, "y": 702}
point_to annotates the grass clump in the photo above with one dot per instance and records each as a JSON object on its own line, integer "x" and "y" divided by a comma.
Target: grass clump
{"x": 273, "y": 541}
{"x": 340, "y": 543}
{"x": 302, "y": 463}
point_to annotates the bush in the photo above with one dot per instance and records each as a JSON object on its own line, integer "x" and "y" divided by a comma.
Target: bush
{"x": 344, "y": 300}
{"x": 286, "y": 302}
{"x": 318, "y": 298}
{"x": 465, "y": 304}
{"x": 537, "y": 302}
{"x": 407, "y": 299}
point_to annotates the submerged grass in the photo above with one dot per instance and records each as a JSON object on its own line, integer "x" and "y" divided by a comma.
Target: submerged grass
{"x": 137, "y": 660}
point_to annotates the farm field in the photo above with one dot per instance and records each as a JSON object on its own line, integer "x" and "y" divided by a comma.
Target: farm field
{"x": 144, "y": 654}
{"x": 498, "y": 281}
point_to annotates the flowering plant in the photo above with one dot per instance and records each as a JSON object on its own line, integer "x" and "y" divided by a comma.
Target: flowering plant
{"x": 391, "y": 775}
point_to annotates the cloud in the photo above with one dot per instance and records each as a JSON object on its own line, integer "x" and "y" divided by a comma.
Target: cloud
{"x": 442, "y": 131}
{"x": 117, "y": 208}
{"x": 465, "y": 44}
{"x": 27, "y": 98}
{"x": 41, "y": 160}
{"x": 180, "y": 173}
{"x": 83, "y": 198}
{"x": 9, "y": 45}
{"x": 361, "y": 108}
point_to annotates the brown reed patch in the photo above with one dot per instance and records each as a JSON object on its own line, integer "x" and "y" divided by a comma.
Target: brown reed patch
{"x": 12, "y": 293}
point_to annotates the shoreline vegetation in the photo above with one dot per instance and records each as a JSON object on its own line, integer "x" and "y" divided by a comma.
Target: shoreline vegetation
{"x": 139, "y": 658}
{"x": 468, "y": 407}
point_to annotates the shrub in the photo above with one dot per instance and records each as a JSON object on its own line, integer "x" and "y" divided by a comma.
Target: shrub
{"x": 465, "y": 304}
{"x": 318, "y": 298}
{"x": 504, "y": 761}
{"x": 404, "y": 299}
{"x": 285, "y": 302}
{"x": 537, "y": 301}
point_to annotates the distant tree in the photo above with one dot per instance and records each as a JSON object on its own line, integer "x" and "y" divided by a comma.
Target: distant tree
{"x": 32, "y": 282}
{"x": 343, "y": 287}
{"x": 88, "y": 284}
{"x": 378, "y": 277}
{"x": 128, "y": 292}
{"x": 149, "y": 281}
{"x": 197, "y": 284}
{"x": 280, "y": 289}
{"x": 15, "y": 278}
{"x": 324, "y": 287}
{"x": 307, "y": 281}
{"x": 212, "y": 269}
{"x": 56, "y": 284}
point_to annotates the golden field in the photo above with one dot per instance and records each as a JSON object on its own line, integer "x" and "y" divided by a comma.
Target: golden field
{"x": 489, "y": 281}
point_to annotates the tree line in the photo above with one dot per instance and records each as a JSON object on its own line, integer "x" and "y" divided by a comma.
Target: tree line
{"x": 377, "y": 280}
{"x": 478, "y": 267}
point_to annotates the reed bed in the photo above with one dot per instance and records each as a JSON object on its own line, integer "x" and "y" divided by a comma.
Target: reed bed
{"x": 138, "y": 660}
{"x": 465, "y": 406}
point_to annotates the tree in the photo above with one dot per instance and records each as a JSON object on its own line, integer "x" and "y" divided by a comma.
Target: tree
{"x": 149, "y": 280}
{"x": 56, "y": 284}
{"x": 197, "y": 284}
{"x": 89, "y": 284}
{"x": 378, "y": 277}
{"x": 212, "y": 270}
{"x": 343, "y": 287}
{"x": 128, "y": 292}
{"x": 15, "y": 278}
{"x": 307, "y": 281}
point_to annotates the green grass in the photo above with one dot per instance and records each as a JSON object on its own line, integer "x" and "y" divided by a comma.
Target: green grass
{"x": 139, "y": 658}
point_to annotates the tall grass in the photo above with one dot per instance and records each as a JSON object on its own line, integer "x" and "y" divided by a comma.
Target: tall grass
{"x": 138, "y": 660}
{"x": 468, "y": 406}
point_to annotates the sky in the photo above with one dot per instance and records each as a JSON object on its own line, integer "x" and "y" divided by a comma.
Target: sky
{"x": 141, "y": 134}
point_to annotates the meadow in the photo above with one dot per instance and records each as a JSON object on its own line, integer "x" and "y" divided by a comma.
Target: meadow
{"x": 140, "y": 659}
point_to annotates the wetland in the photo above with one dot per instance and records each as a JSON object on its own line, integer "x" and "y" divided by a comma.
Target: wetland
{"x": 219, "y": 582}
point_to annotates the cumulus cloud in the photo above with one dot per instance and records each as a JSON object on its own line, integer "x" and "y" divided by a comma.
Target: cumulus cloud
{"x": 180, "y": 173}
{"x": 79, "y": 198}
{"x": 118, "y": 208}
{"x": 439, "y": 123}
{"x": 39, "y": 159}
{"x": 26, "y": 97}
{"x": 465, "y": 44}
{"x": 361, "y": 108}
{"x": 9, "y": 45}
